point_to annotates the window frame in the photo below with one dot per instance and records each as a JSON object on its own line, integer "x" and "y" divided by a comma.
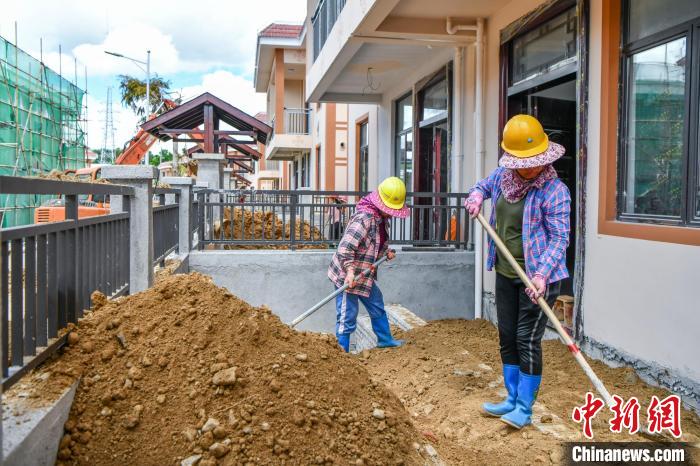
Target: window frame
{"x": 362, "y": 121}
{"x": 400, "y": 133}
{"x": 690, "y": 29}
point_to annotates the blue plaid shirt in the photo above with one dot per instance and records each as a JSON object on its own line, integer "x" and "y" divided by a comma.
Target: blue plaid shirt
{"x": 545, "y": 226}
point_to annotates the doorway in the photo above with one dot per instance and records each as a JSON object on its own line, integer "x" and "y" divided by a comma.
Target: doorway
{"x": 554, "y": 105}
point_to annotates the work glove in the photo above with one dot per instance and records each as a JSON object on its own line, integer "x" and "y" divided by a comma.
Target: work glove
{"x": 540, "y": 285}
{"x": 473, "y": 203}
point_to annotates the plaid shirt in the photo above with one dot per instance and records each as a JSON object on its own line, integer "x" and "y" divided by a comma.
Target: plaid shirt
{"x": 359, "y": 249}
{"x": 545, "y": 226}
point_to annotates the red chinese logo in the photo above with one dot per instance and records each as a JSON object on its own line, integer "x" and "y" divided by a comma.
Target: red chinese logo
{"x": 665, "y": 415}
{"x": 625, "y": 415}
{"x": 661, "y": 414}
{"x": 587, "y": 412}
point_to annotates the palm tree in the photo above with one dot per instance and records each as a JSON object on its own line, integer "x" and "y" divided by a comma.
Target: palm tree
{"x": 133, "y": 92}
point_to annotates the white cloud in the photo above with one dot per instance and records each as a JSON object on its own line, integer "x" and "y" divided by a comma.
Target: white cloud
{"x": 232, "y": 88}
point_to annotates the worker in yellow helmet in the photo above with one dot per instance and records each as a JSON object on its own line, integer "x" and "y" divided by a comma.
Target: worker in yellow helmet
{"x": 530, "y": 212}
{"x": 365, "y": 240}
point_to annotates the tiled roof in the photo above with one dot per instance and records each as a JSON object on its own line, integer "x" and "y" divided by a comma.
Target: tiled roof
{"x": 290, "y": 31}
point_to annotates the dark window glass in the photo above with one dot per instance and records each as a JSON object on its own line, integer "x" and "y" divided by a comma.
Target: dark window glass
{"x": 655, "y": 110}
{"x": 435, "y": 100}
{"x": 545, "y": 48}
{"x": 647, "y": 17}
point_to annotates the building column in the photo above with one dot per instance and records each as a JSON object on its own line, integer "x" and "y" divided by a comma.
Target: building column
{"x": 185, "y": 214}
{"x": 140, "y": 207}
{"x": 227, "y": 178}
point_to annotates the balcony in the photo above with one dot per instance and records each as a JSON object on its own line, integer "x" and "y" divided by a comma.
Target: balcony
{"x": 323, "y": 20}
{"x": 292, "y": 137}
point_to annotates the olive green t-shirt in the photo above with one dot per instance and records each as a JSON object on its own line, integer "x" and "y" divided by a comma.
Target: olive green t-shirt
{"x": 509, "y": 226}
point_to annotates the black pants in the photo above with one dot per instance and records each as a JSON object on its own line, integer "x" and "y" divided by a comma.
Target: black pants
{"x": 521, "y": 323}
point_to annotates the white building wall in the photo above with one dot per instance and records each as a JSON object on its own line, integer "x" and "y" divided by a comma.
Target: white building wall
{"x": 640, "y": 297}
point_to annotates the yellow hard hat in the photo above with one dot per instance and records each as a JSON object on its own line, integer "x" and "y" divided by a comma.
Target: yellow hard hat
{"x": 523, "y": 136}
{"x": 392, "y": 192}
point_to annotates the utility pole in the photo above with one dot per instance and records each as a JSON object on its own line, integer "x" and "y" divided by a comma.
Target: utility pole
{"x": 108, "y": 155}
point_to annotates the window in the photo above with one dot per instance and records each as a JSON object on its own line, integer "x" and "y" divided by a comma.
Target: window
{"x": 435, "y": 100}
{"x": 404, "y": 140}
{"x": 318, "y": 167}
{"x": 659, "y": 168}
{"x": 295, "y": 173}
{"x": 544, "y": 49}
{"x": 306, "y": 170}
{"x": 362, "y": 156}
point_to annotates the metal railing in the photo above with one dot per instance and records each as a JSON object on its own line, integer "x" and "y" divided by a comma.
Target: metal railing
{"x": 49, "y": 270}
{"x": 304, "y": 219}
{"x": 322, "y": 21}
{"x": 296, "y": 120}
{"x": 165, "y": 224}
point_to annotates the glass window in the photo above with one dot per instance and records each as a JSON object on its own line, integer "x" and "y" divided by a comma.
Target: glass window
{"x": 404, "y": 140}
{"x": 363, "y": 157}
{"x": 435, "y": 100}
{"x": 404, "y": 113}
{"x": 544, "y": 48}
{"x": 659, "y": 178}
{"x": 656, "y": 106}
{"x": 647, "y": 17}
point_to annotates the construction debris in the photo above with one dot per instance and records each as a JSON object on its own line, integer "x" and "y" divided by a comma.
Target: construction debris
{"x": 246, "y": 225}
{"x": 208, "y": 379}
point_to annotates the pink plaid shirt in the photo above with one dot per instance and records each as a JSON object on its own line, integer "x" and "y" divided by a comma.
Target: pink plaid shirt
{"x": 359, "y": 248}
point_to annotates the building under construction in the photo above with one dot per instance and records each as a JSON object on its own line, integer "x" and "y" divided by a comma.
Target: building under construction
{"x": 42, "y": 125}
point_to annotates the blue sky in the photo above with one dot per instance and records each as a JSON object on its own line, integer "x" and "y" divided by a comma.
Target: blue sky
{"x": 200, "y": 46}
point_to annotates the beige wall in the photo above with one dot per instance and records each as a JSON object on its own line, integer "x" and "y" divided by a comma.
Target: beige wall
{"x": 294, "y": 93}
{"x": 639, "y": 296}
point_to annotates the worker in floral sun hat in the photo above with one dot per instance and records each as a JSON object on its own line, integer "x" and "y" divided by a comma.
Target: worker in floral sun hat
{"x": 366, "y": 239}
{"x": 530, "y": 213}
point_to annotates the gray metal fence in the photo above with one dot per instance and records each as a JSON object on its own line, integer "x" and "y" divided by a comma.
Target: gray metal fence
{"x": 49, "y": 270}
{"x": 165, "y": 224}
{"x": 304, "y": 219}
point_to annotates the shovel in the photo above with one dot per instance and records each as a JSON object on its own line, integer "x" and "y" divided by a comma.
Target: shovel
{"x": 365, "y": 273}
{"x": 575, "y": 351}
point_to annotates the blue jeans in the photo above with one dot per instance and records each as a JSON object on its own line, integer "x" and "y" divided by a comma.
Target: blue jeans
{"x": 347, "y": 305}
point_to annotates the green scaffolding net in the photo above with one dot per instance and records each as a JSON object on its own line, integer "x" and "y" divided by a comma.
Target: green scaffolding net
{"x": 41, "y": 126}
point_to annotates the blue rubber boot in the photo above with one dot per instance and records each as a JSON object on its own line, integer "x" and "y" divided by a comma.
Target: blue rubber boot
{"x": 344, "y": 341}
{"x": 511, "y": 375}
{"x": 528, "y": 386}
{"x": 381, "y": 328}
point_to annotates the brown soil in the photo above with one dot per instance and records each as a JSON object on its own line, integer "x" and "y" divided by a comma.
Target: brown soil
{"x": 63, "y": 176}
{"x": 447, "y": 369}
{"x": 187, "y": 368}
{"x": 246, "y": 225}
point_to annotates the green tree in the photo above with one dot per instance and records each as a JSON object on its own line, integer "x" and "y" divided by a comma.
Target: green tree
{"x": 133, "y": 91}
{"x": 163, "y": 156}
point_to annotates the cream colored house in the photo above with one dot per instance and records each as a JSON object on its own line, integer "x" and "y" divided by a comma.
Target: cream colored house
{"x": 614, "y": 81}
{"x": 323, "y": 146}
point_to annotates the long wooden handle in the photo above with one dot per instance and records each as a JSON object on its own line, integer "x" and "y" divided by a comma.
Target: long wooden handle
{"x": 575, "y": 351}
{"x": 320, "y": 304}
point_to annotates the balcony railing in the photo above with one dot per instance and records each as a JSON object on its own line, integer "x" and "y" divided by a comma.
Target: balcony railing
{"x": 324, "y": 18}
{"x": 296, "y": 120}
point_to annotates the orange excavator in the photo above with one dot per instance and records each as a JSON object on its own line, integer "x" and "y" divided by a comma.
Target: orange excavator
{"x": 134, "y": 151}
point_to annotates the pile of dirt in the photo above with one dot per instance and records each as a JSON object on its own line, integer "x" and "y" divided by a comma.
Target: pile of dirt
{"x": 243, "y": 224}
{"x": 59, "y": 175}
{"x": 187, "y": 369}
{"x": 447, "y": 369}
